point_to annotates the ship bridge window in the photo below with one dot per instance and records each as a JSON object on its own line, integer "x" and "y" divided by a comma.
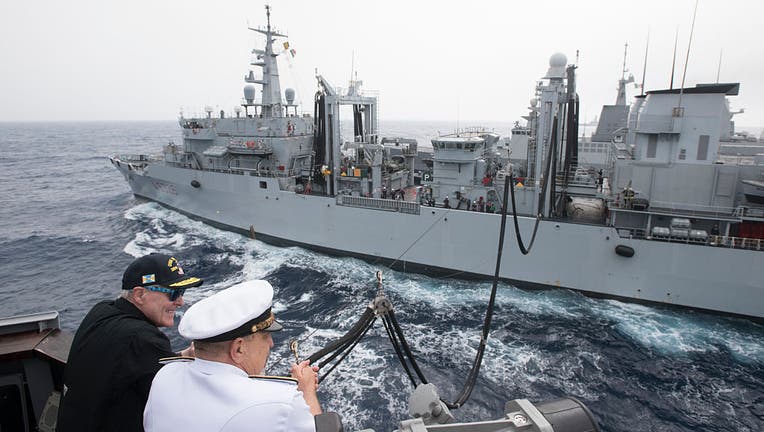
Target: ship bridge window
{"x": 263, "y": 185}
{"x": 469, "y": 146}
{"x": 450, "y": 145}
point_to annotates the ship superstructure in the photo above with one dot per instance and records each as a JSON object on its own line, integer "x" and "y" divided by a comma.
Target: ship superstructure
{"x": 296, "y": 179}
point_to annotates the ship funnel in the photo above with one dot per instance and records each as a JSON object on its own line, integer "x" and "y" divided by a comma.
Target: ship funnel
{"x": 289, "y": 94}
{"x": 249, "y": 94}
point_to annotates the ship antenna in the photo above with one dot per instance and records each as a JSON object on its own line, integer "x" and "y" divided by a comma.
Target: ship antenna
{"x": 673, "y": 60}
{"x": 644, "y": 67}
{"x": 719, "y": 69}
{"x": 268, "y": 15}
{"x": 457, "y": 117}
{"x": 687, "y": 58}
{"x": 352, "y": 66}
{"x": 625, "y": 50}
{"x": 621, "y": 98}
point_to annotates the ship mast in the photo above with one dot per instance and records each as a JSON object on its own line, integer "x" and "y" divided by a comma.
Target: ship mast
{"x": 271, "y": 104}
{"x": 621, "y": 98}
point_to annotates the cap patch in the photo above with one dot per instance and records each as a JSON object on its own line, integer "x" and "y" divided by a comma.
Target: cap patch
{"x": 172, "y": 263}
{"x": 147, "y": 279}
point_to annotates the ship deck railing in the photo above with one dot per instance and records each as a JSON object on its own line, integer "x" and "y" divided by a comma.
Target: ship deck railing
{"x": 240, "y": 171}
{"x": 680, "y": 209}
{"x": 379, "y": 204}
{"x": 137, "y": 158}
{"x": 712, "y": 240}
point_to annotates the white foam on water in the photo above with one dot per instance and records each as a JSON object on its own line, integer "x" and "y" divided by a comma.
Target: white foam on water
{"x": 452, "y": 294}
{"x": 680, "y": 332}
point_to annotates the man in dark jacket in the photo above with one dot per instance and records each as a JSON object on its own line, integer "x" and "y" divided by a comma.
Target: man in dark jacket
{"x": 116, "y": 350}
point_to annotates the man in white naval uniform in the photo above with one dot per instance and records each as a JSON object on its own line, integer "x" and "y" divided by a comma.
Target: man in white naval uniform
{"x": 221, "y": 390}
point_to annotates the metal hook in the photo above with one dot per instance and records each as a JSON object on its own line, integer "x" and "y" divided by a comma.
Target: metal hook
{"x": 293, "y": 345}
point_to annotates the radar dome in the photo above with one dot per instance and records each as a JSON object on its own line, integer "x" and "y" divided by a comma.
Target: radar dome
{"x": 534, "y": 102}
{"x": 249, "y": 93}
{"x": 557, "y": 64}
{"x": 558, "y": 59}
{"x": 289, "y": 94}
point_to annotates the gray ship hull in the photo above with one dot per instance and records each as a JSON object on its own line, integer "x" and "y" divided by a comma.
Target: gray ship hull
{"x": 463, "y": 244}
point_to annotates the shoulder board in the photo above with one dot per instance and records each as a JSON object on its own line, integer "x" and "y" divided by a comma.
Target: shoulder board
{"x": 176, "y": 359}
{"x": 274, "y": 378}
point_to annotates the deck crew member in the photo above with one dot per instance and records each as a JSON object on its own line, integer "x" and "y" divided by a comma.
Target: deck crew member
{"x": 222, "y": 389}
{"x": 116, "y": 350}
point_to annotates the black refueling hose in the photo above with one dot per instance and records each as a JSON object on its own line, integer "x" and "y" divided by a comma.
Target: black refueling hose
{"x": 349, "y": 350}
{"x": 340, "y": 344}
{"x": 406, "y": 349}
{"x": 398, "y": 340}
{"x": 523, "y": 249}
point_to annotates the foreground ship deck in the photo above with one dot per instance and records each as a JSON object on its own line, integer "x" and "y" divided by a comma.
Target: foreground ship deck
{"x": 657, "y": 226}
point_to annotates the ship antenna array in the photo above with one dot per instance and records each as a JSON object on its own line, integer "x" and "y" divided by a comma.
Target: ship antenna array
{"x": 382, "y": 307}
{"x": 673, "y": 59}
{"x": 719, "y": 69}
{"x": 644, "y": 67}
{"x": 687, "y": 57}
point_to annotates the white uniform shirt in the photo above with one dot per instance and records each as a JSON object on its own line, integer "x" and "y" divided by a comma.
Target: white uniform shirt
{"x": 209, "y": 396}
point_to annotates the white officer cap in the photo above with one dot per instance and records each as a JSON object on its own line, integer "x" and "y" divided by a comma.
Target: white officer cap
{"x": 238, "y": 311}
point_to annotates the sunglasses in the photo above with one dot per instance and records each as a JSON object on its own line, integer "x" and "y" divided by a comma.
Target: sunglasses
{"x": 172, "y": 293}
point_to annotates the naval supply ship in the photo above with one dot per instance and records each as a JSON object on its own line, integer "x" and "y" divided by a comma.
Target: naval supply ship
{"x": 664, "y": 221}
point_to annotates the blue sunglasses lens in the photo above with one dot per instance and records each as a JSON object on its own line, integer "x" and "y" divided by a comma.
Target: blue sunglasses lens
{"x": 177, "y": 293}
{"x": 172, "y": 293}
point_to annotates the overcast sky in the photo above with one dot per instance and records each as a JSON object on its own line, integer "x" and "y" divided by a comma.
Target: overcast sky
{"x": 429, "y": 60}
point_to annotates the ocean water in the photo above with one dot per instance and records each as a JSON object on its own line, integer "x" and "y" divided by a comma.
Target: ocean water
{"x": 70, "y": 226}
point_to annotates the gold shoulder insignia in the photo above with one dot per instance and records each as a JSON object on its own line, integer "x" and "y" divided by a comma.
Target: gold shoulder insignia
{"x": 175, "y": 359}
{"x": 274, "y": 378}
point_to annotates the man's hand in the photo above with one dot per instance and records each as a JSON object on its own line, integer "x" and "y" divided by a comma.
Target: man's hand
{"x": 307, "y": 382}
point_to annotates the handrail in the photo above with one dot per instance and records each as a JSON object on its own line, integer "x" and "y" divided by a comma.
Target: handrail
{"x": 684, "y": 209}
{"x": 720, "y": 210}
{"x": 730, "y": 242}
{"x": 379, "y": 204}
{"x": 238, "y": 170}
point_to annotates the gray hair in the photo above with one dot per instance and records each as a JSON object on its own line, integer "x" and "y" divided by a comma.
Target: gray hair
{"x": 212, "y": 349}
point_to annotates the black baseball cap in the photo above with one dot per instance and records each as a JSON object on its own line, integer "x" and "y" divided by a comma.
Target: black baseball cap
{"x": 157, "y": 269}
